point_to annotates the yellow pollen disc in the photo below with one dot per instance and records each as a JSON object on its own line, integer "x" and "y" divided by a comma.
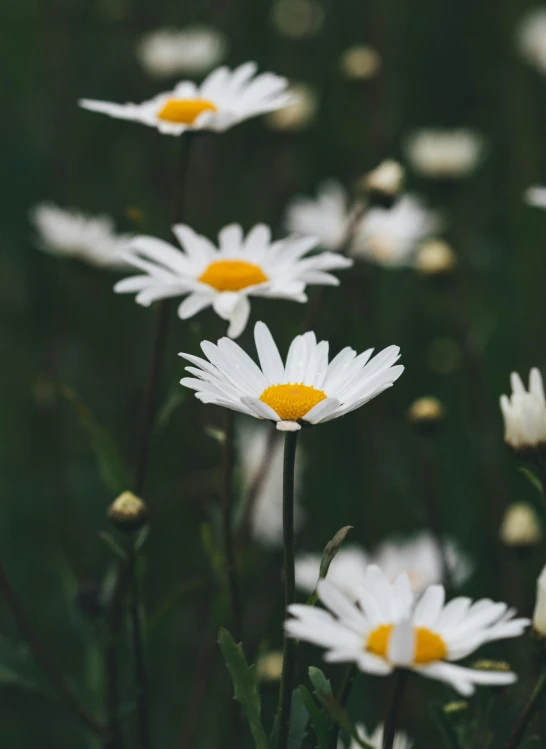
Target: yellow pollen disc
{"x": 185, "y": 111}
{"x": 232, "y": 275}
{"x": 429, "y": 645}
{"x": 292, "y": 402}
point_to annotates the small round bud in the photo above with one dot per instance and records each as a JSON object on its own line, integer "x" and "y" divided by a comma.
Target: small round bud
{"x": 128, "y": 512}
{"x": 435, "y": 258}
{"x": 427, "y": 410}
{"x": 384, "y": 183}
{"x": 360, "y": 62}
{"x": 521, "y": 526}
{"x": 269, "y": 666}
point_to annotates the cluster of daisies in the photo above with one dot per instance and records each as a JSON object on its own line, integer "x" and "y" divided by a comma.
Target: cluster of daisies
{"x": 383, "y": 611}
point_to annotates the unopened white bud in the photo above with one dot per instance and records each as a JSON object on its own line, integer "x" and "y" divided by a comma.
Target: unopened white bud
{"x": 524, "y": 413}
{"x": 521, "y": 526}
{"x": 387, "y": 178}
{"x": 539, "y": 616}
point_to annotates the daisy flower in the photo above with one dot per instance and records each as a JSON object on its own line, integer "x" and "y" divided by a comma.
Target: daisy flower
{"x": 329, "y": 217}
{"x": 193, "y": 50}
{"x": 224, "y": 277}
{"x": 444, "y": 153}
{"x": 531, "y": 38}
{"x": 535, "y": 196}
{"x": 390, "y": 237}
{"x": 539, "y": 614}
{"x": 524, "y": 413}
{"x": 266, "y": 519}
{"x": 225, "y": 98}
{"x": 305, "y": 390}
{"x": 375, "y": 738}
{"x": 69, "y": 233}
{"x": 387, "y": 628}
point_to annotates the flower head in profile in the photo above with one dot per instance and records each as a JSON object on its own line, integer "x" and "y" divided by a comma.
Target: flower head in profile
{"x": 375, "y": 738}
{"x": 224, "y": 277}
{"x": 328, "y": 217}
{"x": 69, "y": 233}
{"x": 531, "y": 38}
{"x": 524, "y": 413}
{"x": 171, "y": 51}
{"x": 225, "y": 98}
{"x": 388, "y": 628}
{"x": 259, "y": 452}
{"x": 306, "y": 390}
{"x": 444, "y": 154}
{"x": 391, "y": 236}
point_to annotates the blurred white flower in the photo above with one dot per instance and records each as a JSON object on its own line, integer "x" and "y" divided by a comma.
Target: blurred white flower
{"x": 360, "y": 62}
{"x": 269, "y": 666}
{"x": 435, "y": 258}
{"x": 535, "y": 196}
{"x": 444, "y": 153}
{"x": 386, "y": 179}
{"x": 329, "y": 217}
{"x": 171, "y": 51}
{"x": 299, "y": 113}
{"x": 531, "y": 38}
{"x": 347, "y": 570}
{"x": 391, "y": 236}
{"x": 297, "y": 19}
{"x": 225, "y": 98}
{"x": 539, "y": 616}
{"x": 266, "y": 515}
{"x": 91, "y": 239}
{"x": 524, "y": 413}
{"x": 375, "y": 738}
{"x": 521, "y": 526}
{"x": 224, "y": 277}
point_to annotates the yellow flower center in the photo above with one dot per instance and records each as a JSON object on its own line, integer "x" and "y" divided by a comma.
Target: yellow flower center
{"x": 292, "y": 401}
{"x": 232, "y": 275}
{"x": 429, "y": 645}
{"x": 185, "y": 111}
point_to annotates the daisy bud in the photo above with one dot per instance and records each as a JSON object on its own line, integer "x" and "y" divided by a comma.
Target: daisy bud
{"x": 269, "y": 666}
{"x": 524, "y": 413}
{"x": 426, "y": 412}
{"x": 360, "y": 62}
{"x": 539, "y": 617}
{"x": 521, "y": 526}
{"x": 384, "y": 183}
{"x": 435, "y": 258}
{"x": 128, "y": 512}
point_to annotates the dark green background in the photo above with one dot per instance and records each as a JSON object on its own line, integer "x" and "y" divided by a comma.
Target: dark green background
{"x": 444, "y": 63}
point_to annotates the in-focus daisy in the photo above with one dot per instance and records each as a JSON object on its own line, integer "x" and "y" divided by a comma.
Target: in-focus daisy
{"x": 266, "y": 515}
{"x": 170, "y": 51}
{"x": 375, "y": 738}
{"x": 524, "y": 413}
{"x": 390, "y": 237}
{"x": 535, "y": 196}
{"x": 347, "y": 570}
{"x": 388, "y": 628}
{"x": 444, "y": 154}
{"x": 531, "y": 38}
{"x": 329, "y": 217}
{"x": 224, "y": 277}
{"x": 70, "y": 233}
{"x": 305, "y": 390}
{"x": 225, "y": 98}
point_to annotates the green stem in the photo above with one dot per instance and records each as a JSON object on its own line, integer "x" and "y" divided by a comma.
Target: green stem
{"x": 345, "y": 690}
{"x": 141, "y": 677}
{"x": 401, "y": 679}
{"x": 288, "y": 664}
{"x": 227, "y": 526}
{"x": 527, "y": 714}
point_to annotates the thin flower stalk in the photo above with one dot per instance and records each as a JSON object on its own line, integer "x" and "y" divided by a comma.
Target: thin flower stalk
{"x": 527, "y": 714}
{"x": 401, "y": 680}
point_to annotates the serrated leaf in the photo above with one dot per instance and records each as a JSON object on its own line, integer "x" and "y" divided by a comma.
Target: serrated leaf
{"x": 533, "y": 480}
{"x": 110, "y": 466}
{"x": 447, "y": 729}
{"x": 339, "y": 715}
{"x": 245, "y": 685}
{"x": 319, "y": 721}
{"x": 328, "y": 556}
{"x": 298, "y": 721}
{"x": 321, "y": 685}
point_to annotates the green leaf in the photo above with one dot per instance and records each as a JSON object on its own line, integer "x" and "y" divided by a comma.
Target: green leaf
{"x": 111, "y": 469}
{"x": 112, "y": 543}
{"x": 321, "y": 684}
{"x": 245, "y": 685}
{"x": 214, "y": 553}
{"x": 447, "y": 729}
{"x": 328, "y": 555}
{"x": 298, "y": 721}
{"x": 339, "y": 715}
{"x": 319, "y": 721}
{"x": 533, "y": 480}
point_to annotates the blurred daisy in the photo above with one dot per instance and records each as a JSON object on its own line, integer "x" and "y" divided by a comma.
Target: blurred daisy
{"x": 266, "y": 516}
{"x": 531, "y": 38}
{"x": 390, "y": 237}
{"x": 169, "y": 51}
{"x": 306, "y": 390}
{"x": 535, "y": 196}
{"x": 299, "y": 113}
{"x": 91, "y": 239}
{"x": 224, "y": 277}
{"x": 329, "y": 217}
{"x": 444, "y": 153}
{"x": 225, "y": 98}
{"x": 347, "y": 570}
{"x": 297, "y": 19}
{"x": 524, "y": 413}
{"x": 375, "y": 738}
{"x": 388, "y": 628}
{"x": 360, "y": 62}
